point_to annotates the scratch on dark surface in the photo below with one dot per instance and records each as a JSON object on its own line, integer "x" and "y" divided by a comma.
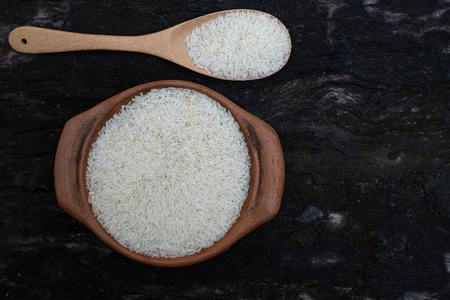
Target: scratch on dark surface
{"x": 310, "y": 214}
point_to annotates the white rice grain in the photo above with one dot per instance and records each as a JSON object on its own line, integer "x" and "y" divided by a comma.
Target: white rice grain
{"x": 239, "y": 45}
{"x": 168, "y": 175}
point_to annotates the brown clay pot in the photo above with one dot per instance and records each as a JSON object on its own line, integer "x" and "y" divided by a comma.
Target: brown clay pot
{"x": 266, "y": 174}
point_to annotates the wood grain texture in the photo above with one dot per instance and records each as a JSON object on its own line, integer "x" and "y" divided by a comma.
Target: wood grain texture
{"x": 362, "y": 110}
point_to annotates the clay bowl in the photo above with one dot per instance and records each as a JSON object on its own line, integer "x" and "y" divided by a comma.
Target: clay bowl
{"x": 266, "y": 174}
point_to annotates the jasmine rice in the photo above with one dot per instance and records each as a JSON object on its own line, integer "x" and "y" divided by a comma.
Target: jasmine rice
{"x": 168, "y": 174}
{"x": 239, "y": 45}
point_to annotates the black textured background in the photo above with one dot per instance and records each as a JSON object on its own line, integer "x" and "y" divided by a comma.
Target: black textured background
{"x": 363, "y": 113}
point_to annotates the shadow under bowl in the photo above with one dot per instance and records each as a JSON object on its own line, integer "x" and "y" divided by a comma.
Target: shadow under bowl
{"x": 266, "y": 174}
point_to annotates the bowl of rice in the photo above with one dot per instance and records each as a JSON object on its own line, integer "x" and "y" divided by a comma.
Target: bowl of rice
{"x": 169, "y": 173}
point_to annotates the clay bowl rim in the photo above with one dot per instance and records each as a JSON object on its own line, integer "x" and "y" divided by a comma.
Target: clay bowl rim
{"x": 266, "y": 174}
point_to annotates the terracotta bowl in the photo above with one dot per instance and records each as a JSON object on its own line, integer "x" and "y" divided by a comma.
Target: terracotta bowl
{"x": 266, "y": 174}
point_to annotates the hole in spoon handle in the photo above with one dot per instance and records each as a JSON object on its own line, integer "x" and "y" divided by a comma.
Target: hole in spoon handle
{"x": 28, "y": 39}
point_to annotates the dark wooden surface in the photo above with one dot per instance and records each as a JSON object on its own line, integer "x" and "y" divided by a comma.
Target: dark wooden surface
{"x": 363, "y": 113}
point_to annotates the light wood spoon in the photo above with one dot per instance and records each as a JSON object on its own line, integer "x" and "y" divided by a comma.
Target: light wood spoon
{"x": 168, "y": 44}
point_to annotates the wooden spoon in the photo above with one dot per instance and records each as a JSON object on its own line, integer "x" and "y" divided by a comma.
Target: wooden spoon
{"x": 168, "y": 44}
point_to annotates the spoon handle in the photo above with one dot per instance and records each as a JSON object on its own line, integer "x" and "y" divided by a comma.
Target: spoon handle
{"x": 28, "y": 39}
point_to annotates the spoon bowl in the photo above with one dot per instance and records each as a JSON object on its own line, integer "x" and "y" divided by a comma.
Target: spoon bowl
{"x": 168, "y": 44}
